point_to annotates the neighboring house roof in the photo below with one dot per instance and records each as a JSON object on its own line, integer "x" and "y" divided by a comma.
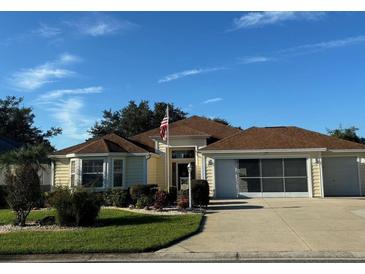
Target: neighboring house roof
{"x": 7, "y": 144}
{"x": 192, "y": 126}
{"x": 108, "y": 143}
{"x": 280, "y": 138}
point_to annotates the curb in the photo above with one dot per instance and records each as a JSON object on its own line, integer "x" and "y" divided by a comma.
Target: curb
{"x": 307, "y": 256}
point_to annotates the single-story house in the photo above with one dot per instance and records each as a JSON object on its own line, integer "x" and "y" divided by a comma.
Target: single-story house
{"x": 256, "y": 162}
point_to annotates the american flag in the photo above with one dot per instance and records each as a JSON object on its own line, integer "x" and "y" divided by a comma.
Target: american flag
{"x": 164, "y": 126}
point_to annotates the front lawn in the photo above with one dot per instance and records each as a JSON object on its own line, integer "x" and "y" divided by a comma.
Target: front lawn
{"x": 117, "y": 231}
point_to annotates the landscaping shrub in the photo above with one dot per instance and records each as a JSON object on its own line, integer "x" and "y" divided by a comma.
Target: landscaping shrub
{"x": 200, "y": 192}
{"x": 172, "y": 195}
{"x": 3, "y": 193}
{"x": 86, "y": 207}
{"x": 143, "y": 201}
{"x": 161, "y": 199}
{"x": 79, "y": 207}
{"x": 183, "y": 202}
{"x": 138, "y": 191}
{"x": 120, "y": 198}
{"x": 61, "y": 200}
{"x": 23, "y": 191}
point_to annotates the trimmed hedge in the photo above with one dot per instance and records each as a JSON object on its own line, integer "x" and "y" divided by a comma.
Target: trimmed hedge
{"x": 200, "y": 192}
{"x": 78, "y": 207}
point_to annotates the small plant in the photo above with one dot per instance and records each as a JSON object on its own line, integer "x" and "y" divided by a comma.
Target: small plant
{"x": 24, "y": 191}
{"x": 161, "y": 199}
{"x": 143, "y": 201}
{"x": 183, "y": 202}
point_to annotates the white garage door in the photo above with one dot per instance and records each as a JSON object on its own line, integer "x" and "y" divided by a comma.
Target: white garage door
{"x": 340, "y": 176}
{"x": 225, "y": 179}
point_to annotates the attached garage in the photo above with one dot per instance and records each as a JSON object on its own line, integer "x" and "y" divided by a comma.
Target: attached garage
{"x": 340, "y": 176}
{"x": 282, "y": 177}
{"x": 225, "y": 178}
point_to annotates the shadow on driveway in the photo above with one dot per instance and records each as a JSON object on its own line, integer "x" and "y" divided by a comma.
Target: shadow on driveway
{"x": 234, "y": 207}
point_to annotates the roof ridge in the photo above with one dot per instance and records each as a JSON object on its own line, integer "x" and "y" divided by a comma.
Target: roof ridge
{"x": 329, "y": 136}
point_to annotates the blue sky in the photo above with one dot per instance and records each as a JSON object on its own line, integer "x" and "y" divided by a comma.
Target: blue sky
{"x": 253, "y": 69}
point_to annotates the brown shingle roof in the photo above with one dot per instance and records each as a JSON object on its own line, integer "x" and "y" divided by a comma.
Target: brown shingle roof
{"x": 192, "y": 126}
{"x": 281, "y": 138}
{"x": 108, "y": 143}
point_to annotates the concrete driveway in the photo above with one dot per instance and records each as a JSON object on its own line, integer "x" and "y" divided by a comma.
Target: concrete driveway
{"x": 276, "y": 224}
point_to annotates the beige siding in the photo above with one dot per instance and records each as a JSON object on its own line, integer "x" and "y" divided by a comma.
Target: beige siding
{"x": 152, "y": 170}
{"x": 362, "y": 175}
{"x": 210, "y": 175}
{"x": 62, "y": 172}
{"x": 135, "y": 170}
{"x": 198, "y": 165}
{"x": 316, "y": 179}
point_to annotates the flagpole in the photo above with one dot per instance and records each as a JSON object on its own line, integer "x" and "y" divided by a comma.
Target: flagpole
{"x": 168, "y": 149}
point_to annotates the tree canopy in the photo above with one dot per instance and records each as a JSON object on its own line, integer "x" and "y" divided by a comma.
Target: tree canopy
{"x": 135, "y": 118}
{"x": 349, "y": 134}
{"x": 17, "y": 124}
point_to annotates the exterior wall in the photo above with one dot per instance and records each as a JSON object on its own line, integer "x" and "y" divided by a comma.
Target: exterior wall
{"x": 210, "y": 175}
{"x": 362, "y": 175}
{"x": 316, "y": 177}
{"x": 62, "y": 172}
{"x": 158, "y": 175}
{"x": 135, "y": 170}
{"x": 198, "y": 165}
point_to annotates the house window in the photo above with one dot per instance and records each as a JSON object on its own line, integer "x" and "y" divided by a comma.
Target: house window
{"x": 183, "y": 154}
{"x": 118, "y": 173}
{"x": 273, "y": 175}
{"x": 72, "y": 172}
{"x": 92, "y": 173}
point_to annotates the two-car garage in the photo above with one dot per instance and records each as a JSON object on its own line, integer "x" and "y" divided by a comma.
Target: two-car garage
{"x": 285, "y": 177}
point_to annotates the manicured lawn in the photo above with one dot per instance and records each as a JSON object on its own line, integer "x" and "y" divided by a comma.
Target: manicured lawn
{"x": 118, "y": 231}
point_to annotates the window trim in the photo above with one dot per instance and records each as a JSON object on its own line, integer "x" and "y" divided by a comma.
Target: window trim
{"x": 104, "y": 171}
{"x": 74, "y": 173}
{"x": 112, "y": 172}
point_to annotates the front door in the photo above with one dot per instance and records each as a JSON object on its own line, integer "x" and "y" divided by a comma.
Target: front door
{"x": 182, "y": 174}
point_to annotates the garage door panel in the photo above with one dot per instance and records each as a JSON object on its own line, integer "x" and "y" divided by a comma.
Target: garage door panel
{"x": 340, "y": 176}
{"x": 225, "y": 178}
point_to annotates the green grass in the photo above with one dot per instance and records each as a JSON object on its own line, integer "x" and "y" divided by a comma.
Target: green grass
{"x": 118, "y": 231}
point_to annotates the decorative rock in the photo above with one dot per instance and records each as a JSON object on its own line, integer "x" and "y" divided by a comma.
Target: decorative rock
{"x": 146, "y": 208}
{"x": 131, "y": 207}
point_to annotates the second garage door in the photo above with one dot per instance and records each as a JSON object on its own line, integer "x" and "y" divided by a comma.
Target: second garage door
{"x": 340, "y": 176}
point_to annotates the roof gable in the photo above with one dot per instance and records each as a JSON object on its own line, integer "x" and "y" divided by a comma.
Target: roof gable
{"x": 192, "y": 126}
{"x": 106, "y": 144}
{"x": 281, "y": 138}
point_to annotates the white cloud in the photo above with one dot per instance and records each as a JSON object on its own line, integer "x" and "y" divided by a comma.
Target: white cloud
{"x": 101, "y": 25}
{"x": 68, "y": 114}
{"x": 56, "y": 94}
{"x": 46, "y": 31}
{"x": 254, "y": 59}
{"x": 212, "y": 100}
{"x": 66, "y": 109}
{"x": 316, "y": 47}
{"x": 259, "y": 19}
{"x": 185, "y": 73}
{"x": 34, "y": 78}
